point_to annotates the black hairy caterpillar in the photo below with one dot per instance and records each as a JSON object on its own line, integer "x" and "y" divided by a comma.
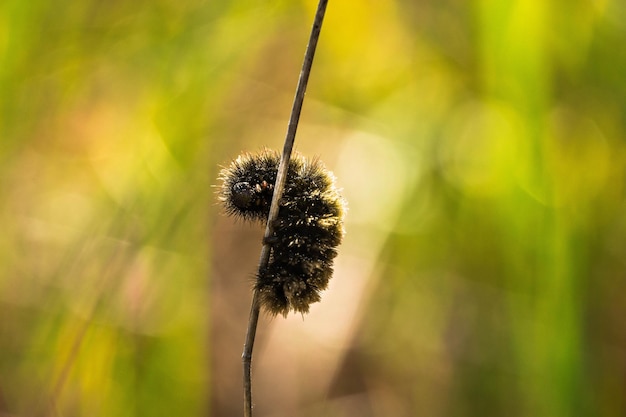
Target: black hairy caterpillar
{"x": 306, "y": 233}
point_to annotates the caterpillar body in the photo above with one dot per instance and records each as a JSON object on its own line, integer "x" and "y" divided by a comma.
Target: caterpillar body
{"x": 306, "y": 233}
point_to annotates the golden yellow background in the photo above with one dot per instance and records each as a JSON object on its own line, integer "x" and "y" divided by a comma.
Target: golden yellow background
{"x": 481, "y": 146}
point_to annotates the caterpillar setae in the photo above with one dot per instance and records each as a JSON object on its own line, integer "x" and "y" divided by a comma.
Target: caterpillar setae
{"x": 306, "y": 233}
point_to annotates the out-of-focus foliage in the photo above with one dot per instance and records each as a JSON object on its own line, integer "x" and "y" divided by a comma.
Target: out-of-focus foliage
{"x": 481, "y": 147}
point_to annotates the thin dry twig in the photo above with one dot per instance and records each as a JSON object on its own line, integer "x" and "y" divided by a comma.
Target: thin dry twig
{"x": 278, "y": 191}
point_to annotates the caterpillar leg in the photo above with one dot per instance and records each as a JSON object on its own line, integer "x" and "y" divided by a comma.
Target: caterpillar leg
{"x": 272, "y": 240}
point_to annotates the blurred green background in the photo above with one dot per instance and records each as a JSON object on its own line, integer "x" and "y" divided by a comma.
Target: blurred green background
{"x": 481, "y": 147}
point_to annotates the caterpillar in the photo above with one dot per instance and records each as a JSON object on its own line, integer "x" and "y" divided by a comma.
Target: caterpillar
{"x": 306, "y": 233}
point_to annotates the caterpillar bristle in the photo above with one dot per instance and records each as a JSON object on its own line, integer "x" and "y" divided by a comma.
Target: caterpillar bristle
{"x": 307, "y": 231}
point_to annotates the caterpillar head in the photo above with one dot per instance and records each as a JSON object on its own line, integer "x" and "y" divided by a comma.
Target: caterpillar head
{"x": 243, "y": 195}
{"x": 246, "y": 196}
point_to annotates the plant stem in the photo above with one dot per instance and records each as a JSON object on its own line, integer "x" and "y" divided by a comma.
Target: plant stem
{"x": 278, "y": 191}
